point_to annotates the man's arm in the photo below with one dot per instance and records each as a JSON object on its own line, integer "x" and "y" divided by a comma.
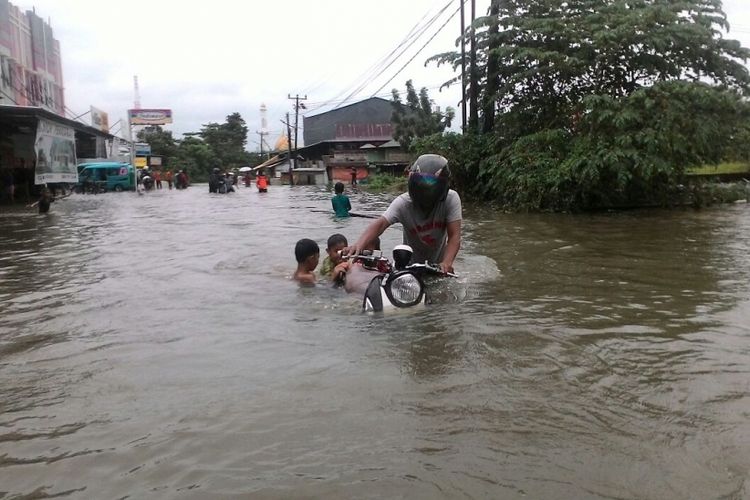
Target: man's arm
{"x": 373, "y": 231}
{"x": 451, "y": 246}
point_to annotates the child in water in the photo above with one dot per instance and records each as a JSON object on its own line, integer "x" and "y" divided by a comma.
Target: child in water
{"x": 333, "y": 264}
{"x": 340, "y": 202}
{"x": 307, "y": 253}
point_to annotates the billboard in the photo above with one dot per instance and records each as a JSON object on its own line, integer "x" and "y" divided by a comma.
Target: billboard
{"x": 149, "y": 116}
{"x": 142, "y": 149}
{"x": 99, "y": 119}
{"x": 141, "y": 162}
{"x": 55, "y": 149}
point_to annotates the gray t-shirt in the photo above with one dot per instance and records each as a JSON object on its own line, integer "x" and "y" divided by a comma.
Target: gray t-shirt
{"x": 426, "y": 234}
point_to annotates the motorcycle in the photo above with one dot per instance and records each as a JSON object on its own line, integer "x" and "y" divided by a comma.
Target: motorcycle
{"x": 387, "y": 286}
{"x": 148, "y": 182}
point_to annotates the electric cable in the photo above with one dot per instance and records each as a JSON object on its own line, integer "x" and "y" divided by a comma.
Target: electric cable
{"x": 420, "y": 50}
{"x": 379, "y": 70}
{"x": 414, "y": 34}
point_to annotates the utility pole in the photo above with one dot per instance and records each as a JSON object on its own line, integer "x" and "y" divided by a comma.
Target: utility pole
{"x": 473, "y": 77}
{"x": 463, "y": 68}
{"x": 297, "y": 107}
{"x": 261, "y": 134}
{"x": 289, "y": 144}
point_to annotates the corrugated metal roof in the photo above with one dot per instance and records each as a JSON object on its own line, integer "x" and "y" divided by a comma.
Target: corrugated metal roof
{"x": 364, "y": 131}
{"x": 339, "y": 108}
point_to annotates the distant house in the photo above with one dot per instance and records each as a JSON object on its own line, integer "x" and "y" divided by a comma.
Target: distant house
{"x": 387, "y": 158}
{"x": 345, "y": 138}
{"x": 277, "y": 167}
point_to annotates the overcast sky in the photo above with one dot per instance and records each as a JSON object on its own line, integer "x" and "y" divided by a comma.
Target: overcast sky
{"x": 206, "y": 60}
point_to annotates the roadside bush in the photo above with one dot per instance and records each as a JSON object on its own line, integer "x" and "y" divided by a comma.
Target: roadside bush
{"x": 385, "y": 182}
{"x": 627, "y": 151}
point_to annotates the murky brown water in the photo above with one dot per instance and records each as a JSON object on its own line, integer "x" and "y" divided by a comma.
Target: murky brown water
{"x": 153, "y": 347}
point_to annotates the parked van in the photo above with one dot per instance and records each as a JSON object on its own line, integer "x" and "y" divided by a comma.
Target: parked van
{"x": 106, "y": 176}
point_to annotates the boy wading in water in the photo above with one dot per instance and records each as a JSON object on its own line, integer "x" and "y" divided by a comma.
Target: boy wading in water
{"x": 307, "y": 253}
{"x": 340, "y": 202}
{"x": 334, "y": 266}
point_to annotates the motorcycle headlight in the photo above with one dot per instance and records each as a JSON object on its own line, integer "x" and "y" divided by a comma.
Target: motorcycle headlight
{"x": 405, "y": 289}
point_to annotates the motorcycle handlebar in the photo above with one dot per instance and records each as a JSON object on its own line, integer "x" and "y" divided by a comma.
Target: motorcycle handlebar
{"x": 430, "y": 267}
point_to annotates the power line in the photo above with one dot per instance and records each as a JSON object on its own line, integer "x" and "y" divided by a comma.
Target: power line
{"x": 381, "y": 94}
{"x": 396, "y": 58}
{"x": 379, "y": 63}
{"x": 414, "y": 34}
{"x": 320, "y": 82}
{"x": 420, "y": 50}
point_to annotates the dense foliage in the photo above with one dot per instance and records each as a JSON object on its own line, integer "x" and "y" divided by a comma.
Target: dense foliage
{"x": 417, "y": 118}
{"x": 597, "y": 103}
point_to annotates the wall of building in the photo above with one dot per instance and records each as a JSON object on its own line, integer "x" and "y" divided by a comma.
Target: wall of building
{"x": 30, "y": 61}
{"x": 370, "y": 119}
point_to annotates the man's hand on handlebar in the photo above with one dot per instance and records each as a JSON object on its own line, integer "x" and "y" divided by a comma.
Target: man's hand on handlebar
{"x": 352, "y": 250}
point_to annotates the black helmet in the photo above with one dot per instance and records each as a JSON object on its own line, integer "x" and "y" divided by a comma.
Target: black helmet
{"x": 428, "y": 181}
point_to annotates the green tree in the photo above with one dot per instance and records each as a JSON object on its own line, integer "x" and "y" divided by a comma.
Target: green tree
{"x": 551, "y": 54}
{"x": 227, "y": 140}
{"x": 416, "y": 117}
{"x": 588, "y": 102}
{"x": 161, "y": 141}
{"x": 194, "y": 156}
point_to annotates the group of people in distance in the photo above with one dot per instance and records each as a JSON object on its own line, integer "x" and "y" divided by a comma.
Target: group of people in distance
{"x": 224, "y": 183}
{"x": 152, "y": 179}
{"x": 429, "y": 212}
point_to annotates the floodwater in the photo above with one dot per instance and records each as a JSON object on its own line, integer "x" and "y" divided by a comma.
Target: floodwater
{"x": 154, "y": 347}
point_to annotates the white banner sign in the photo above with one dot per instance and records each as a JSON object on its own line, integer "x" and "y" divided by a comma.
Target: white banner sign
{"x": 99, "y": 119}
{"x": 55, "y": 149}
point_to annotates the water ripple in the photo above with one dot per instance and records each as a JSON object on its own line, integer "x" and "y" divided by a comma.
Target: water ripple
{"x": 157, "y": 341}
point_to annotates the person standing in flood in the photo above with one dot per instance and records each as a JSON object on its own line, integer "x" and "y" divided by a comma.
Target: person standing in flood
{"x": 9, "y": 185}
{"x": 261, "y": 182}
{"x": 340, "y": 202}
{"x": 429, "y": 212}
{"x": 45, "y": 200}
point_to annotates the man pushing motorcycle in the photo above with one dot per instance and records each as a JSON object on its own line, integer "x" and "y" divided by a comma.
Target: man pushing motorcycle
{"x": 429, "y": 212}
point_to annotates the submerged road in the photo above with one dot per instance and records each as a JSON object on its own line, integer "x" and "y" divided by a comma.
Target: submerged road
{"x": 153, "y": 347}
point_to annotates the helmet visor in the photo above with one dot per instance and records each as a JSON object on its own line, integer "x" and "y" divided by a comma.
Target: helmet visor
{"x": 426, "y": 190}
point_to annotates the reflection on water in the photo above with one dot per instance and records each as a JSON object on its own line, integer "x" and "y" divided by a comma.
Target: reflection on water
{"x": 153, "y": 346}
